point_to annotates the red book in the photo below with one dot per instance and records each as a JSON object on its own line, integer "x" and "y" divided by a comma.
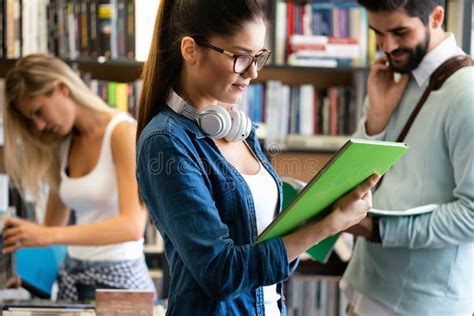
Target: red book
{"x": 316, "y": 113}
{"x": 290, "y": 24}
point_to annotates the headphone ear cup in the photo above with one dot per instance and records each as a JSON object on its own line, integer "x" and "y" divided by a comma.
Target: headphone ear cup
{"x": 241, "y": 126}
{"x": 215, "y": 121}
{"x": 234, "y": 131}
{"x": 246, "y": 128}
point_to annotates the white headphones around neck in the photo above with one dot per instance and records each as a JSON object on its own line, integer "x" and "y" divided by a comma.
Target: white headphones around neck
{"x": 215, "y": 120}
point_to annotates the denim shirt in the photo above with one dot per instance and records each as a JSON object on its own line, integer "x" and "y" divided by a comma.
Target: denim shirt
{"x": 205, "y": 213}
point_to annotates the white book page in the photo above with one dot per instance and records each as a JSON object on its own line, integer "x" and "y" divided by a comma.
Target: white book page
{"x": 412, "y": 211}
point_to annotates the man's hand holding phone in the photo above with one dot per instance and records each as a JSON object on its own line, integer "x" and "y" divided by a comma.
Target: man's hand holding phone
{"x": 384, "y": 93}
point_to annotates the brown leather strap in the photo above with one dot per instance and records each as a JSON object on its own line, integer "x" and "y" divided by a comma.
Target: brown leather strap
{"x": 437, "y": 79}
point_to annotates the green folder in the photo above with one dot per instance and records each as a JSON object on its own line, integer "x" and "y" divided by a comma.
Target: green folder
{"x": 357, "y": 160}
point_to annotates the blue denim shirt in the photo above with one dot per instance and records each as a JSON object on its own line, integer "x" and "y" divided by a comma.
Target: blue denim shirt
{"x": 205, "y": 212}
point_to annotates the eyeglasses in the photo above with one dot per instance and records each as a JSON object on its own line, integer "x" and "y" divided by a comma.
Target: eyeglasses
{"x": 242, "y": 62}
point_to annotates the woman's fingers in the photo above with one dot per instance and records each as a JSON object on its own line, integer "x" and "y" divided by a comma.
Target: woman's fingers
{"x": 11, "y": 249}
{"x": 368, "y": 198}
{"x": 12, "y": 221}
{"x": 9, "y": 232}
{"x": 361, "y": 190}
{"x": 12, "y": 240}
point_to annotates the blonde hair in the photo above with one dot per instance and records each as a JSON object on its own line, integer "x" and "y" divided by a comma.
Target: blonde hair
{"x": 32, "y": 157}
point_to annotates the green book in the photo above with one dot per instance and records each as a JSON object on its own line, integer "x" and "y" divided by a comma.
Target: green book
{"x": 112, "y": 94}
{"x": 321, "y": 251}
{"x": 356, "y": 161}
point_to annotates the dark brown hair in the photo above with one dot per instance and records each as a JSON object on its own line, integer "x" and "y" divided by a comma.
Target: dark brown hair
{"x": 176, "y": 19}
{"x": 415, "y": 8}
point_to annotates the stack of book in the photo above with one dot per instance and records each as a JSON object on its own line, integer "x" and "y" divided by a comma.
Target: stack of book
{"x": 41, "y": 308}
{"x": 329, "y": 33}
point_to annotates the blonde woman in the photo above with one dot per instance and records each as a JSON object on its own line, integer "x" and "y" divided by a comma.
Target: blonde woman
{"x": 57, "y": 132}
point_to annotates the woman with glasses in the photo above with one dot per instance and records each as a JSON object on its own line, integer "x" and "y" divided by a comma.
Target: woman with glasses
{"x": 201, "y": 172}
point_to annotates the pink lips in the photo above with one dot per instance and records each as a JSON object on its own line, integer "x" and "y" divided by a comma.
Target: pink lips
{"x": 241, "y": 87}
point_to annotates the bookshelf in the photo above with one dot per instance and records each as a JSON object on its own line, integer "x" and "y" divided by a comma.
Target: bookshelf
{"x": 130, "y": 70}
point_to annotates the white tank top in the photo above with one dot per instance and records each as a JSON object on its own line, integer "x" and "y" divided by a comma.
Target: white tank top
{"x": 265, "y": 198}
{"x": 94, "y": 198}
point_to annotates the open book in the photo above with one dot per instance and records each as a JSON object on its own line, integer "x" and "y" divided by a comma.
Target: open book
{"x": 356, "y": 161}
{"x": 410, "y": 212}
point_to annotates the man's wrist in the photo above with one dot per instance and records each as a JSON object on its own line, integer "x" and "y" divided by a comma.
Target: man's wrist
{"x": 373, "y": 129}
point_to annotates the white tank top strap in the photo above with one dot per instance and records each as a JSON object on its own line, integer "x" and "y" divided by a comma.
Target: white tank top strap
{"x": 117, "y": 119}
{"x": 64, "y": 152}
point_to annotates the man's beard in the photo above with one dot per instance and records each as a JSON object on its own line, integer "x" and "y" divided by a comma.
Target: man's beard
{"x": 415, "y": 56}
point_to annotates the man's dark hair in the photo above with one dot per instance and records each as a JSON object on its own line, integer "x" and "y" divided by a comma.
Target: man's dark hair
{"x": 415, "y": 8}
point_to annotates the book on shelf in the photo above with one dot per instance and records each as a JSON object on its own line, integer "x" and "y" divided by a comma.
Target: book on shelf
{"x": 356, "y": 161}
{"x": 312, "y": 296}
{"x": 322, "y": 34}
{"x": 305, "y": 111}
{"x": 4, "y": 192}
{"x": 145, "y": 14}
{"x": 153, "y": 241}
{"x": 77, "y": 29}
{"x": 120, "y": 95}
{"x": 12, "y": 28}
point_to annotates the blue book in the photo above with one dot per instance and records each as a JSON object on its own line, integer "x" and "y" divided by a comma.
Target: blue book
{"x": 38, "y": 268}
{"x": 259, "y": 102}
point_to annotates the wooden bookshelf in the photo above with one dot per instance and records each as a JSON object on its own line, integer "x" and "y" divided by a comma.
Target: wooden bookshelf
{"x": 298, "y": 164}
{"x": 127, "y": 71}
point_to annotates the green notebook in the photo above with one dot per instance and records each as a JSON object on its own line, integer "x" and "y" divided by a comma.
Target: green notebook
{"x": 357, "y": 160}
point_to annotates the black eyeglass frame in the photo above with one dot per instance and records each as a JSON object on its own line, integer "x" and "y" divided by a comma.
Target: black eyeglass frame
{"x": 236, "y": 56}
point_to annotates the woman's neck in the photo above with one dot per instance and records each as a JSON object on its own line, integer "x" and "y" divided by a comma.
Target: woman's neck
{"x": 188, "y": 91}
{"x": 90, "y": 121}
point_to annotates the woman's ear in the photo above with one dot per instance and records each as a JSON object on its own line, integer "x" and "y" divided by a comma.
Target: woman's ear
{"x": 189, "y": 49}
{"x": 64, "y": 89}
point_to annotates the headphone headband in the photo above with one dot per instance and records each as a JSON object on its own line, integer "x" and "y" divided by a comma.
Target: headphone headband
{"x": 215, "y": 120}
{"x": 177, "y": 104}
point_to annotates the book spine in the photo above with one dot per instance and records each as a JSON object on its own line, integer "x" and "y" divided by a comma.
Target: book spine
{"x": 94, "y": 45}
{"x": 61, "y": 29}
{"x": 113, "y": 30}
{"x": 52, "y": 22}
{"x": 2, "y": 28}
{"x": 121, "y": 28}
{"x": 130, "y": 26}
{"x": 72, "y": 30}
{"x": 84, "y": 29}
{"x": 15, "y": 29}
{"x": 104, "y": 14}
